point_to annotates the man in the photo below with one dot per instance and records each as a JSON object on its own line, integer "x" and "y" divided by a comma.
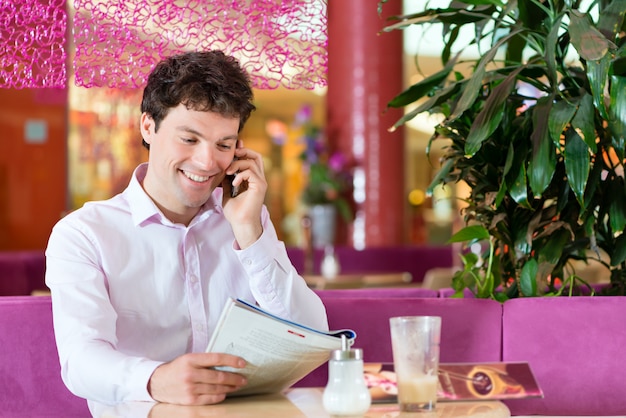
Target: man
{"x": 138, "y": 281}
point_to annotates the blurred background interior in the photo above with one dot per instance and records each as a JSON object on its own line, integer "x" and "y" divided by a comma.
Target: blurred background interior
{"x": 63, "y": 147}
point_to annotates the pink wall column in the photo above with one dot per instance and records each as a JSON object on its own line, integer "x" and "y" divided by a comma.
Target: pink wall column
{"x": 364, "y": 73}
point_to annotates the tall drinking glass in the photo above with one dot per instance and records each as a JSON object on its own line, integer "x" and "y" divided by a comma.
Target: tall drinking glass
{"x": 415, "y": 344}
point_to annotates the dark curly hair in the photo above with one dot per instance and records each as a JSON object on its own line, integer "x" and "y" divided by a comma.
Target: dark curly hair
{"x": 202, "y": 81}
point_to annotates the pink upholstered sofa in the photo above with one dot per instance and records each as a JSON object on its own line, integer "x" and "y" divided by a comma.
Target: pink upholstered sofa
{"x": 30, "y": 374}
{"x": 574, "y": 346}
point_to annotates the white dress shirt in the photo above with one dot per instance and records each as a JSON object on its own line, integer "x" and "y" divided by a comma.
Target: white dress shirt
{"x": 132, "y": 290}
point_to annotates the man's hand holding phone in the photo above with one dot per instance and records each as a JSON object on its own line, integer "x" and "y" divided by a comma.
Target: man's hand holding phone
{"x": 244, "y": 195}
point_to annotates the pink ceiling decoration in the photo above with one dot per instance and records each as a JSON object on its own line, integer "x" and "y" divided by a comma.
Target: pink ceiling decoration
{"x": 32, "y": 43}
{"x": 118, "y": 42}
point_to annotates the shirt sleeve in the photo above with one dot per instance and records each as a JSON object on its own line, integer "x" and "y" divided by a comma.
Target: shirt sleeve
{"x": 84, "y": 324}
{"x": 276, "y": 285}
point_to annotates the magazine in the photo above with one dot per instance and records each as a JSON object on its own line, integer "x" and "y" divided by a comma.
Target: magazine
{"x": 461, "y": 381}
{"x": 278, "y": 352}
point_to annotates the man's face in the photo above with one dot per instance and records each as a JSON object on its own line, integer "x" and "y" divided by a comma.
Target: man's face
{"x": 188, "y": 156}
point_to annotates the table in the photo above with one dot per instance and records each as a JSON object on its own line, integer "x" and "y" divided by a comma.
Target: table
{"x": 353, "y": 281}
{"x": 296, "y": 403}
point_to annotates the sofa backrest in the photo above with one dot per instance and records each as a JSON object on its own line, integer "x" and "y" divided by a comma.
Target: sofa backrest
{"x": 30, "y": 373}
{"x": 575, "y": 347}
{"x": 471, "y": 329}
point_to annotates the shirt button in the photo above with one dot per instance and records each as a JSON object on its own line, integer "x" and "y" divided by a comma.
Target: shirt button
{"x": 247, "y": 262}
{"x": 193, "y": 278}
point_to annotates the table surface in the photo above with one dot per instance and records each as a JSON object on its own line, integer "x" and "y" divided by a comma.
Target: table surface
{"x": 296, "y": 403}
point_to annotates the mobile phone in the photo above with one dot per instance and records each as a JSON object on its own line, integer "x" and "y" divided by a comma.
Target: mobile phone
{"x": 234, "y": 190}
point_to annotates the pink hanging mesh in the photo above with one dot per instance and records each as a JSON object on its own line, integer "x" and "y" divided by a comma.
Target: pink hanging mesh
{"x": 32, "y": 43}
{"x": 279, "y": 42}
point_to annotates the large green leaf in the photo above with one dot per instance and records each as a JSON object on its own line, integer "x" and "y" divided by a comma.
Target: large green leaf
{"x": 561, "y": 115}
{"x": 543, "y": 159}
{"x": 470, "y": 233}
{"x": 507, "y": 167}
{"x": 531, "y": 13}
{"x": 490, "y": 116}
{"x": 458, "y": 16}
{"x": 594, "y": 185}
{"x": 443, "y": 172}
{"x": 611, "y": 19}
{"x": 424, "y": 87}
{"x": 583, "y": 121}
{"x": 472, "y": 88}
{"x": 425, "y": 17}
{"x": 447, "y": 50}
{"x": 518, "y": 189}
{"x": 597, "y": 73}
{"x": 431, "y": 103}
{"x": 619, "y": 251}
{"x": 617, "y": 209}
{"x": 528, "y": 278}
{"x": 617, "y": 113}
{"x": 515, "y": 47}
{"x": 520, "y": 224}
{"x": 588, "y": 41}
{"x": 550, "y": 54}
{"x": 463, "y": 16}
{"x": 577, "y": 164}
{"x": 554, "y": 247}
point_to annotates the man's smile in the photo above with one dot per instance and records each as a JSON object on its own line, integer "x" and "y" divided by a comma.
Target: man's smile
{"x": 194, "y": 177}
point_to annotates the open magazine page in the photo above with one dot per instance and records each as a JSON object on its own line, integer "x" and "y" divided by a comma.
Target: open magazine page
{"x": 278, "y": 352}
{"x": 461, "y": 381}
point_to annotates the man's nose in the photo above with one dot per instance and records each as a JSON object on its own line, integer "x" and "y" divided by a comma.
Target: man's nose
{"x": 204, "y": 156}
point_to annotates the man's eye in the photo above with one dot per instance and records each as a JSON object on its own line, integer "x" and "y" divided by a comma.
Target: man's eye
{"x": 189, "y": 140}
{"x": 225, "y": 147}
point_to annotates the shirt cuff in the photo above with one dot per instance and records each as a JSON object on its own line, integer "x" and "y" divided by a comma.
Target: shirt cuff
{"x": 259, "y": 255}
{"x": 139, "y": 379}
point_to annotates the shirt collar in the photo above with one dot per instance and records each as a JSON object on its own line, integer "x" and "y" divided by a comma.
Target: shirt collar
{"x": 142, "y": 207}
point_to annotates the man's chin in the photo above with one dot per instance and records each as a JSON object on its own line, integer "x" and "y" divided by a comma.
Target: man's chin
{"x": 196, "y": 201}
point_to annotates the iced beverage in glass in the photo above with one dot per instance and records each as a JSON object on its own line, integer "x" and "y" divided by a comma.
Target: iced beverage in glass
{"x": 415, "y": 343}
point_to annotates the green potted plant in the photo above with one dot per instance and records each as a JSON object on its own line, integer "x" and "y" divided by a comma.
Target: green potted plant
{"x": 536, "y": 127}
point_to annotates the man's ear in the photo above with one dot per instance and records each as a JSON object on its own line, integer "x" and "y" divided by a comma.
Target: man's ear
{"x": 146, "y": 126}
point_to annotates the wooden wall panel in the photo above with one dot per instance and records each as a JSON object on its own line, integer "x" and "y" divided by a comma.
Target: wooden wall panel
{"x": 33, "y": 175}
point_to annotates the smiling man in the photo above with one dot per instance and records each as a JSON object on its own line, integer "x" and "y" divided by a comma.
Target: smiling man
{"x": 138, "y": 281}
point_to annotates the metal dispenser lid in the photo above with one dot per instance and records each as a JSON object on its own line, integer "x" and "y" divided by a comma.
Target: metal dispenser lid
{"x": 346, "y": 353}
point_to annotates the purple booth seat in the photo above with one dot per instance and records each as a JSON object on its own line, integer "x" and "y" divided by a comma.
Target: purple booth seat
{"x": 378, "y": 292}
{"x": 575, "y": 347}
{"x": 30, "y": 373}
{"x": 471, "y": 329}
{"x": 413, "y": 259}
{"x": 21, "y": 272}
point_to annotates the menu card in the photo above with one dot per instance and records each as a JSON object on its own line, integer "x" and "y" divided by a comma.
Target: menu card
{"x": 461, "y": 381}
